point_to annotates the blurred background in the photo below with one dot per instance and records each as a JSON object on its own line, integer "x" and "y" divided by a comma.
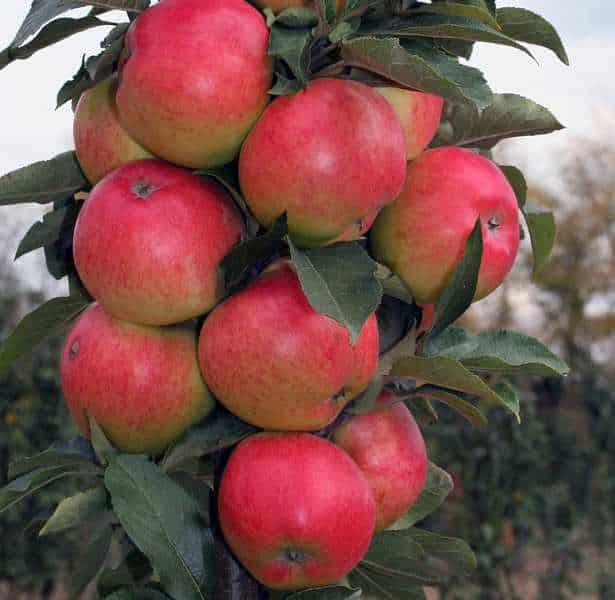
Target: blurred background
{"x": 535, "y": 501}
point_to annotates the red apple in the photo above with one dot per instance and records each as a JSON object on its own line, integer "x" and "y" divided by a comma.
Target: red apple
{"x": 422, "y": 235}
{"x": 427, "y": 317}
{"x": 295, "y": 510}
{"x": 329, "y": 156}
{"x": 275, "y": 362}
{"x": 419, "y": 114}
{"x": 195, "y": 79}
{"x": 102, "y": 144}
{"x": 149, "y": 239}
{"x": 388, "y": 447}
{"x": 142, "y": 384}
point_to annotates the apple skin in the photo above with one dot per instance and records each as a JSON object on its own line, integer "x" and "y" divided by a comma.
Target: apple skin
{"x": 102, "y": 144}
{"x": 295, "y": 510}
{"x": 149, "y": 239}
{"x": 388, "y": 447}
{"x": 276, "y": 363}
{"x": 193, "y": 99}
{"x": 422, "y": 235}
{"x": 419, "y": 114}
{"x": 427, "y": 317}
{"x": 329, "y": 156}
{"x": 142, "y": 384}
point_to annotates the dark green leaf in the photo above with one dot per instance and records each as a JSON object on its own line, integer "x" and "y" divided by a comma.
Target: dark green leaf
{"x": 297, "y": 17}
{"x": 465, "y": 408}
{"x": 392, "y": 285}
{"x": 507, "y": 116}
{"x": 101, "y": 444}
{"x": 510, "y": 397}
{"x": 292, "y": 46}
{"x": 471, "y": 11}
{"x": 236, "y": 265}
{"x": 395, "y": 320}
{"x": 517, "y": 181}
{"x": 438, "y": 486}
{"x": 336, "y": 592}
{"x": 129, "y": 572}
{"x": 43, "y": 182}
{"x": 383, "y": 585}
{"x": 284, "y": 86}
{"x": 366, "y": 401}
{"x": 218, "y": 431}
{"x": 420, "y": 68}
{"x": 47, "y": 320}
{"x": 163, "y": 521}
{"x": 76, "y": 510}
{"x": 524, "y": 25}
{"x": 344, "y": 30}
{"x": 461, "y": 288}
{"x": 541, "y": 226}
{"x": 340, "y": 282}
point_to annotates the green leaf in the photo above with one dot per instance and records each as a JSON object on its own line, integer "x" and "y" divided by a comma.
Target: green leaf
{"x": 47, "y": 320}
{"x": 218, "y": 431}
{"x": 461, "y": 288}
{"x": 101, "y": 444}
{"x": 284, "y": 86}
{"x": 336, "y": 592}
{"x": 74, "y": 452}
{"x": 163, "y": 521}
{"x": 339, "y": 282}
{"x": 54, "y": 32}
{"x": 92, "y": 557}
{"x": 501, "y": 351}
{"x": 420, "y": 67}
{"x": 510, "y": 396}
{"x": 132, "y": 570}
{"x": 344, "y": 30}
{"x": 292, "y": 46}
{"x": 448, "y": 27}
{"x": 456, "y": 9}
{"x": 392, "y": 285}
{"x": 438, "y": 486}
{"x": 507, "y": 116}
{"x": 446, "y": 372}
{"x": 43, "y": 182}
{"x": 542, "y": 229}
{"x": 297, "y": 17}
{"x": 517, "y": 181}
{"x": 465, "y": 408}
{"x": 55, "y": 225}
{"x": 366, "y": 401}
{"x": 382, "y": 585}
{"x": 76, "y": 510}
{"x": 527, "y": 26}
{"x": 236, "y": 265}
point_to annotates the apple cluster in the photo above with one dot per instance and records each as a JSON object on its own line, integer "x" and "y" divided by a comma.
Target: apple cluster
{"x": 340, "y": 159}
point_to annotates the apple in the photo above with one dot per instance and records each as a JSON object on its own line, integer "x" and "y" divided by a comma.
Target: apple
{"x": 141, "y": 384}
{"x": 275, "y": 362}
{"x": 422, "y": 235}
{"x": 329, "y": 156}
{"x": 419, "y": 114}
{"x": 388, "y": 447}
{"x": 102, "y": 144}
{"x": 149, "y": 239}
{"x": 295, "y": 509}
{"x": 427, "y": 317}
{"x": 193, "y": 99}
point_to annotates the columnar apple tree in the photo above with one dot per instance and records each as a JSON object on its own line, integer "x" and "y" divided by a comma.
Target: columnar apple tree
{"x": 274, "y": 214}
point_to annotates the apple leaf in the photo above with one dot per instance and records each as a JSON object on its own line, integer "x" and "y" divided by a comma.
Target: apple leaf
{"x": 449, "y": 373}
{"x": 465, "y": 408}
{"x": 478, "y": 12}
{"x": 296, "y": 17}
{"x": 378, "y": 584}
{"x": 138, "y": 593}
{"x": 366, "y": 401}
{"x": 438, "y": 486}
{"x": 527, "y": 26}
{"x": 131, "y": 570}
{"x": 340, "y": 282}
{"x": 418, "y": 66}
{"x": 461, "y": 288}
{"x": 163, "y": 521}
{"x": 292, "y": 46}
{"x": 517, "y": 182}
{"x": 43, "y": 182}
{"x": 506, "y": 116}
{"x": 238, "y": 263}
{"x": 442, "y": 26}
{"x": 218, "y": 431}
{"x": 284, "y": 86}
{"x": 500, "y": 351}
{"x": 76, "y": 510}
{"x": 395, "y": 320}
{"x": 336, "y": 592}
{"x": 542, "y": 229}
{"x": 47, "y": 320}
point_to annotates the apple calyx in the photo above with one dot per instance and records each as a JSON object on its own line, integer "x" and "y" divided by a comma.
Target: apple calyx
{"x": 143, "y": 189}
{"x": 493, "y": 223}
{"x": 295, "y": 555}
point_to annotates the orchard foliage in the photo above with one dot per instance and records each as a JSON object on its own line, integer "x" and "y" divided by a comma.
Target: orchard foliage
{"x": 158, "y": 513}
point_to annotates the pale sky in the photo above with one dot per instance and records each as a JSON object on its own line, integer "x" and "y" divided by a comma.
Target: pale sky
{"x": 32, "y": 130}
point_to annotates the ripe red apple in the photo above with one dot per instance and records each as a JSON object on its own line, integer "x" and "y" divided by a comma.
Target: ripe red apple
{"x": 388, "y": 447}
{"x": 275, "y": 362}
{"x": 102, "y": 144}
{"x": 149, "y": 239}
{"x": 142, "y": 384}
{"x": 419, "y": 114}
{"x": 193, "y": 99}
{"x": 422, "y": 235}
{"x": 295, "y": 510}
{"x": 330, "y": 157}
{"x": 427, "y": 317}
